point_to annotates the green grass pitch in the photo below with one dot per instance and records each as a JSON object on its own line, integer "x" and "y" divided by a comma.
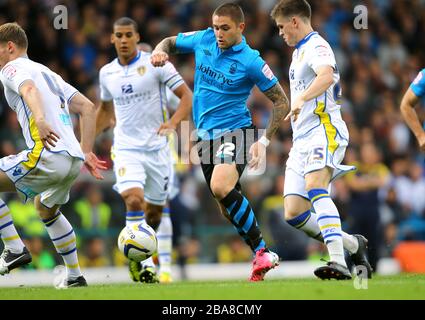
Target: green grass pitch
{"x": 404, "y": 286}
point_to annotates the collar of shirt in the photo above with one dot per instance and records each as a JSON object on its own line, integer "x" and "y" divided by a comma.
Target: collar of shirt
{"x": 131, "y": 61}
{"x": 305, "y": 39}
{"x": 235, "y": 48}
{"x": 239, "y": 46}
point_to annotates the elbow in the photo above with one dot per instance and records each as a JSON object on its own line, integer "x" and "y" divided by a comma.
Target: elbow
{"x": 27, "y": 90}
{"x": 404, "y": 107}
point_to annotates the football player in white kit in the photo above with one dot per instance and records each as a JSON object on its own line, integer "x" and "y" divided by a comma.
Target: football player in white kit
{"x": 47, "y": 169}
{"x": 320, "y": 138}
{"x": 135, "y": 91}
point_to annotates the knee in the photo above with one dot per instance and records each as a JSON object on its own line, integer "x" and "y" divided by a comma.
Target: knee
{"x": 133, "y": 202}
{"x": 313, "y": 184}
{"x": 316, "y": 182}
{"x": 220, "y": 190}
{"x": 43, "y": 212}
{"x": 290, "y": 213}
{"x": 294, "y": 209}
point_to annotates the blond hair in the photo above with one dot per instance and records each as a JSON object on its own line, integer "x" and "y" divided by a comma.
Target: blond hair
{"x": 13, "y": 32}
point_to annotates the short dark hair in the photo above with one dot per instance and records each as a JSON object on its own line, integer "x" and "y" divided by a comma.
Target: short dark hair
{"x": 288, "y": 8}
{"x": 231, "y": 10}
{"x": 126, "y": 21}
{"x": 14, "y": 32}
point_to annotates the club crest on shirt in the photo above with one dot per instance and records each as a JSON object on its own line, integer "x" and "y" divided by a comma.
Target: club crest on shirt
{"x": 121, "y": 171}
{"x": 233, "y": 68}
{"x": 141, "y": 70}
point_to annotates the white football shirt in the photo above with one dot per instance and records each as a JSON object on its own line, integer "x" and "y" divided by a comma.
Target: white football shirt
{"x": 56, "y": 95}
{"x": 138, "y": 91}
{"x": 311, "y": 53}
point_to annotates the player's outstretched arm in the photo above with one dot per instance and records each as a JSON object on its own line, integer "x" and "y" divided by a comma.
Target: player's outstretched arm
{"x": 183, "y": 110}
{"x": 32, "y": 98}
{"x": 85, "y": 108}
{"x": 280, "y": 110}
{"x": 105, "y": 116}
{"x": 407, "y": 108}
{"x": 320, "y": 84}
{"x": 160, "y": 54}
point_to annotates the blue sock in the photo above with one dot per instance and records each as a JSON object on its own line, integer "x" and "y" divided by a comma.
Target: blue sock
{"x": 243, "y": 218}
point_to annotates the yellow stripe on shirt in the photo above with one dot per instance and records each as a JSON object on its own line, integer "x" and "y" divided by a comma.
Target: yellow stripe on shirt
{"x": 35, "y": 153}
{"x": 330, "y": 130}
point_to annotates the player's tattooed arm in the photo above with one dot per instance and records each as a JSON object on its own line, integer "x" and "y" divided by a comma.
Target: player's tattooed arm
{"x": 168, "y": 45}
{"x": 160, "y": 54}
{"x": 280, "y": 108}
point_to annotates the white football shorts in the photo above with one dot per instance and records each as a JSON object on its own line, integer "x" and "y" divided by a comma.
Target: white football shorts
{"x": 151, "y": 171}
{"x": 48, "y": 174}
{"x": 317, "y": 149}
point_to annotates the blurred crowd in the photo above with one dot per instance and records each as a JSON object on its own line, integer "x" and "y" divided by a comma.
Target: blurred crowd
{"x": 384, "y": 199}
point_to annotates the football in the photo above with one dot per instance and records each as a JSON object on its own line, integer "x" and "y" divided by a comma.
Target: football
{"x": 137, "y": 241}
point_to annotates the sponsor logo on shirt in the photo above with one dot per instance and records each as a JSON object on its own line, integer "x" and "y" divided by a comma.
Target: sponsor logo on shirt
{"x": 213, "y": 77}
{"x": 17, "y": 171}
{"x": 298, "y": 85}
{"x": 268, "y": 73}
{"x": 126, "y": 88}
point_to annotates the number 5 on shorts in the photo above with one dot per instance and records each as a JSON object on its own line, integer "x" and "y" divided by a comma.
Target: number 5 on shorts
{"x": 317, "y": 153}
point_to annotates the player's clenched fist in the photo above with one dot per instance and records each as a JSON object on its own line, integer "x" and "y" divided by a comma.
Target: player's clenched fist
{"x": 159, "y": 58}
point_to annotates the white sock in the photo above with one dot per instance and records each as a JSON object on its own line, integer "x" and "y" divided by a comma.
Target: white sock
{"x": 64, "y": 240}
{"x": 8, "y": 232}
{"x": 307, "y": 222}
{"x": 165, "y": 241}
{"x": 329, "y": 224}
